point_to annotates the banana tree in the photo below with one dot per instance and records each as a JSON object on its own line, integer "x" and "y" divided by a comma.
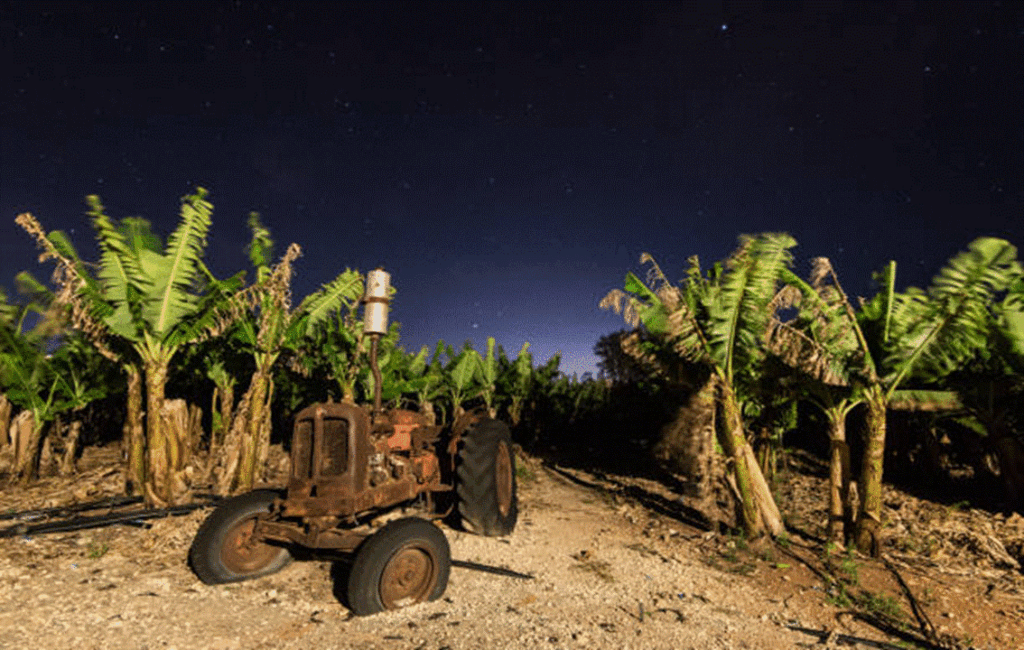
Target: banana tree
{"x": 824, "y": 343}
{"x": 516, "y": 381}
{"x": 488, "y": 377}
{"x": 42, "y": 383}
{"x": 462, "y": 377}
{"x": 270, "y": 329}
{"x": 12, "y": 316}
{"x": 925, "y": 336}
{"x": 718, "y": 321}
{"x": 989, "y": 391}
{"x": 30, "y": 383}
{"x": 149, "y": 301}
{"x": 426, "y": 382}
{"x": 332, "y": 344}
{"x": 85, "y": 376}
{"x": 896, "y": 338}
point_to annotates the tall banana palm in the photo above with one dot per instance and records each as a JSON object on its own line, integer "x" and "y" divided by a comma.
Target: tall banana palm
{"x": 30, "y": 382}
{"x": 267, "y": 326}
{"x": 895, "y": 338}
{"x": 18, "y": 352}
{"x": 987, "y": 395}
{"x": 925, "y": 335}
{"x": 827, "y": 347}
{"x": 42, "y": 383}
{"x": 145, "y": 303}
{"x": 462, "y": 375}
{"x": 516, "y": 380}
{"x": 718, "y": 320}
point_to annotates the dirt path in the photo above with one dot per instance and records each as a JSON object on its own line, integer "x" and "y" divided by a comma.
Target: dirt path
{"x": 607, "y": 574}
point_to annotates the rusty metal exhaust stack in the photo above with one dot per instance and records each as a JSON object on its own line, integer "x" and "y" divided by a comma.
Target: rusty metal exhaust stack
{"x": 375, "y": 323}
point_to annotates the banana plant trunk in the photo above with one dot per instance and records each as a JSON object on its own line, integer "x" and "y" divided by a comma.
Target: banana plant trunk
{"x": 840, "y": 518}
{"x": 5, "y": 419}
{"x": 869, "y": 519}
{"x": 256, "y": 440}
{"x": 733, "y": 442}
{"x": 67, "y": 459}
{"x": 515, "y": 410}
{"x": 26, "y": 434}
{"x": 427, "y": 411}
{"x": 247, "y": 439}
{"x": 166, "y": 454}
{"x": 134, "y": 434}
{"x": 221, "y": 406}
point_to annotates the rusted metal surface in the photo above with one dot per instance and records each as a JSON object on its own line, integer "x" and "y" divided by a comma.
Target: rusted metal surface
{"x": 408, "y": 577}
{"x": 338, "y": 539}
{"x": 346, "y": 464}
{"x": 244, "y": 551}
{"x": 402, "y": 423}
{"x": 503, "y": 469}
{"x": 375, "y": 369}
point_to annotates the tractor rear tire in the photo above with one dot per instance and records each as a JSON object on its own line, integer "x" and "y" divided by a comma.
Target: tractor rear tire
{"x": 224, "y": 549}
{"x": 406, "y": 562}
{"x": 486, "y": 479}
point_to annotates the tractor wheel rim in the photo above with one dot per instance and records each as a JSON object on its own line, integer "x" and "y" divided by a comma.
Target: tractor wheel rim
{"x": 408, "y": 578}
{"x": 503, "y": 476}
{"x": 242, "y": 552}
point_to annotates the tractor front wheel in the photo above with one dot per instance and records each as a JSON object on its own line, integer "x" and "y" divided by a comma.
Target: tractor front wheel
{"x": 226, "y": 549}
{"x": 404, "y": 563}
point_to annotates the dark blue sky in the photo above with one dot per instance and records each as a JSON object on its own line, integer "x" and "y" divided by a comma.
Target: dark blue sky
{"x": 508, "y": 162}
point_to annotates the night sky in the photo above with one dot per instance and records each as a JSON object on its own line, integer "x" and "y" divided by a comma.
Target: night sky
{"x": 508, "y": 162}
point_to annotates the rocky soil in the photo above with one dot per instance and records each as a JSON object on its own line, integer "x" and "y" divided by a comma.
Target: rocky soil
{"x": 612, "y": 563}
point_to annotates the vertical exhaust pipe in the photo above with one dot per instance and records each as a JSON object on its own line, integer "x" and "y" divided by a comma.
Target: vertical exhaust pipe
{"x": 375, "y": 323}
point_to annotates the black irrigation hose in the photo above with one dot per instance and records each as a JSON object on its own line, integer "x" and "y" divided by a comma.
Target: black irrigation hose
{"x": 112, "y": 502}
{"x": 81, "y": 523}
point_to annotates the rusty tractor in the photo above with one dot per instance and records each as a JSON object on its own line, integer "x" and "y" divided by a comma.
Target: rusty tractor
{"x": 369, "y": 484}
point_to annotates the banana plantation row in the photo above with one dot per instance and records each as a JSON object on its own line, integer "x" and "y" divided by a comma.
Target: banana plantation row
{"x": 148, "y": 333}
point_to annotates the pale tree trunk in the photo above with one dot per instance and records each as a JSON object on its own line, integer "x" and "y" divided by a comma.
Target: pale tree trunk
{"x": 176, "y": 422}
{"x": 869, "y": 520}
{"x": 44, "y": 463}
{"x": 166, "y": 445}
{"x": 246, "y": 446}
{"x": 766, "y": 506}
{"x": 840, "y": 518}
{"x": 229, "y": 458}
{"x": 766, "y": 454}
{"x": 50, "y": 444}
{"x": 427, "y": 411}
{"x": 195, "y": 429}
{"x": 515, "y": 410}
{"x": 5, "y": 420}
{"x": 222, "y": 403}
{"x": 256, "y": 439}
{"x": 734, "y": 442}
{"x": 157, "y": 461}
{"x": 25, "y": 438}
{"x": 134, "y": 441}
{"x": 66, "y": 465}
